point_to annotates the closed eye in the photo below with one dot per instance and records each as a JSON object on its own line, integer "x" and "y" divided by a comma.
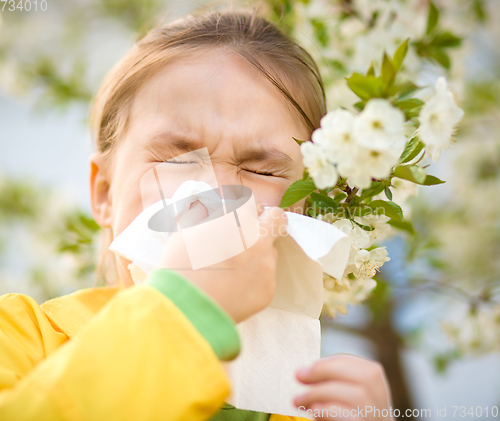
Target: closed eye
{"x": 269, "y": 174}
{"x": 175, "y": 161}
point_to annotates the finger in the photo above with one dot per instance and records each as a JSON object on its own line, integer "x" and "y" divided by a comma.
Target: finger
{"x": 342, "y": 367}
{"x": 174, "y": 254}
{"x": 333, "y": 411}
{"x": 349, "y": 368}
{"x": 351, "y": 394}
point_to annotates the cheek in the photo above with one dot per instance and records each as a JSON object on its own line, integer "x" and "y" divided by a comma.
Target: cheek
{"x": 270, "y": 193}
{"x": 126, "y": 207}
{"x": 126, "y": 197}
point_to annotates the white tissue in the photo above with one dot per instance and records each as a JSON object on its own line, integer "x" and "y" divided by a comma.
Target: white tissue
{"x": 283, "y": 337}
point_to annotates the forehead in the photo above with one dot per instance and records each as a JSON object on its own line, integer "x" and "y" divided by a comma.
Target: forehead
{"x": 215, "y": 96}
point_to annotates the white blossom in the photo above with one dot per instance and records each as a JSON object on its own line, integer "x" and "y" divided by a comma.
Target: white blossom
{"x": 361, "y": 238}
{"x": 476, "y": 334}
{"x": 320, "y": 169}
{"x": 361, "y": 287}
{"x": 380, "y": 126}
{"x": 369, "y": 262}
{"x": 381, "y": 229}
{"x": 330, "y": 217}
{"x": 366, "y": 164}
{"x": 340, "y": 294}
{"x": 335, "y": 136}
{"x": 438, "y": 119}
{"x": 331, "y": 283}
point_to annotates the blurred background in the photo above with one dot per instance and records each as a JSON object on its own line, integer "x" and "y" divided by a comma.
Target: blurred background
{"x": 434, "y": 318}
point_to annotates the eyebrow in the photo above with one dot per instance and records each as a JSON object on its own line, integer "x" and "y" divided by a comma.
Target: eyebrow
{"x": 270, "y": 156}
{"x": 168, "y": 141}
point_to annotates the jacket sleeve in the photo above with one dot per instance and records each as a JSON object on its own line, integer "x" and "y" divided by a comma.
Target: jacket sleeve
{"x": 147, "y": 354}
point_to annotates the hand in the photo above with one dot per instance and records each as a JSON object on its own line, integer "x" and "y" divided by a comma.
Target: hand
{"x": 250, "y": 284}
{"x": 345, "y": 383}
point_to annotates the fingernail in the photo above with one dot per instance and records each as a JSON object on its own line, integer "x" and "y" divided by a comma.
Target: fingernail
{"x": 297, "y": 400}
{"x": 303, "y": 372}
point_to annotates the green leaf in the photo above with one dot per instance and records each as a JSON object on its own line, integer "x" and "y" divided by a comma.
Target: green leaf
{"x": 430, "y": 180}
{"x": 409, "y": 104}
{"x": 412, "y": 149}
{"x": 399, "y": 55}
{"x": 361, "y": 211}
{"x": 439, "y": 263}
{"x": 388, "y": 73}
{"x": 299, "y": 141}
{"x": 404, "y": 89}
{"x": 412, "y": 173}
{"x": 443, "y": 360}
{"x": 336, "y": 65}
{"x": 378, "y": 303}
{"x": 416, "y": 174}
{"x": 324, "y": 202}
{"x": 371, "y": 71}
{"x": 373, "y": 19}
{"x": 297, "y": 191}
{"x": 432, "y": 18}
{"x": 89, "y": 223}
{"x": 72, "y": 248}
{"x": 402, "y": 225}
{"x": 354, "y": 201}
{"x": 320, "y": 31}
{"x": 412, "y": 115}
{"x": 339, "y": 197}
{"x": 360, "y": 105}
{"x": 479, "y": 12}
{"x": 446, "y": 40}
{"x": 365, "y": 87}
{"x": 388, "y": 193}
{"x": 376, "y": 188}
{"x": 390, "y": 209}
{"x": 440, "y": 57}
{"x": 411, "y": 107}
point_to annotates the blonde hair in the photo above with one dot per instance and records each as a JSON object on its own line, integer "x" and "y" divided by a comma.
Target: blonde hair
{"x": 283, "y": 62}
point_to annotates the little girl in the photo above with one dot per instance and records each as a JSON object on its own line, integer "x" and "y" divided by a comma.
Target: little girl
{"x": 233, "y": 83}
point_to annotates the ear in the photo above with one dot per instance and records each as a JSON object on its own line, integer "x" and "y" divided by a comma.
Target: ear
{"x": 100, "y": 195}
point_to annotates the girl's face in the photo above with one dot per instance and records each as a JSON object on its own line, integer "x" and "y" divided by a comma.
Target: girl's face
{"x": 212, "y": 99}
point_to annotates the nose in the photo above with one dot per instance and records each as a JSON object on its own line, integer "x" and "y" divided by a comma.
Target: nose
{"x": 226, "y": 174}
{"x": 229, "y": 175}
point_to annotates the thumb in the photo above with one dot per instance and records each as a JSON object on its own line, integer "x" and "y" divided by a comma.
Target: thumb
{"x": 174, "y": 253}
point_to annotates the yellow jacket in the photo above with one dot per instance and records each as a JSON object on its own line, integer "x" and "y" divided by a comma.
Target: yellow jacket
{"x": 108, "y": 353}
